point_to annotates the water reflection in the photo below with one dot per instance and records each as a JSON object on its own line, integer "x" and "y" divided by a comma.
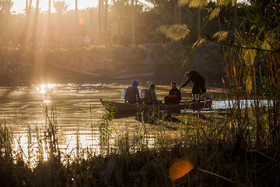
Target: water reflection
{"x": 241, "y": 104}
{"x": 76, "y": 113}
{"x": 73, "y": 109}
{"x": 43, "y": 88}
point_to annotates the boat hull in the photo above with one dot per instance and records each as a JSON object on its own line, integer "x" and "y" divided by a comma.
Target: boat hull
{"x": 134, "y": 108}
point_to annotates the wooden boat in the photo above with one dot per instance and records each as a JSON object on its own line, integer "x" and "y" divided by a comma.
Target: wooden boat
{"x": 133, "y": 108}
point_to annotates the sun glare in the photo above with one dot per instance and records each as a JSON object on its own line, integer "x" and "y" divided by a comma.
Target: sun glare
{"x": 81, "y": 21}
{"x": 43, "y": 88}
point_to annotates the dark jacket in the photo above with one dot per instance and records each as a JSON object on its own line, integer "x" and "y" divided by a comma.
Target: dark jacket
{"x": 151, "y": 98}
{"x": 196, "y": 78}
{"x": 136, "y": 96}
{"x": 175, "y": 92}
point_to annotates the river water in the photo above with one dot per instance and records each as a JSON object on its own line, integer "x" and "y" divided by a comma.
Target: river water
{"x": 75, "y": 110}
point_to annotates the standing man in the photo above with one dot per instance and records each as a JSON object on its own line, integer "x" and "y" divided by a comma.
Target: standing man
{"x": 199, "y": 84}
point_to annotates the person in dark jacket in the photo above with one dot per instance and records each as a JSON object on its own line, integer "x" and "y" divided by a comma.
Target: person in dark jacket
{"x": 199, "y": 84}
{"x": 174, "y": 96}
{"x": 132, "y": 93}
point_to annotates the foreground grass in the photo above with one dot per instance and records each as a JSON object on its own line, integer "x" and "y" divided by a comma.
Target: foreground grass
{"x": 220, "y": 157}
{"x": 222, "y": 165}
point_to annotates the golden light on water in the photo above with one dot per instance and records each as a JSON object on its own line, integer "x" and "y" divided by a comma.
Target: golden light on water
{"x": 29, "y": 149}
{"x": 46, "y": 101}
{"x": 179, "y": 169}
{"x": 43, "y": 88}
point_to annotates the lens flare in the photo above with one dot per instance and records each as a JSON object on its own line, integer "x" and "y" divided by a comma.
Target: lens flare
{"x": 179, "y": 169}
{"x": 81, "y": 21}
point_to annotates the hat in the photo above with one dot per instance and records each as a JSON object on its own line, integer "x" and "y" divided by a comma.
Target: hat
{"x": 135, "y": 83}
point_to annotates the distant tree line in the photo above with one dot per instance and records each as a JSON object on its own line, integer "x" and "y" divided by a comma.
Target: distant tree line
{"x": 122, "y": 22}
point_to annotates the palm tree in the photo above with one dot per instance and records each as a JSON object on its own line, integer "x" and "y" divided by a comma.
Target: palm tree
{"x": 196, "y": 4}
{"x": 60, "y": 7}
{"x": 120, "y": 6}
{"x": 5, "y": 6}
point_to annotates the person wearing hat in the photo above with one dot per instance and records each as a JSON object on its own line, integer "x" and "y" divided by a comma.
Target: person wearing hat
{"x": 199, "y": 84}
{"x": 132, "y": 93}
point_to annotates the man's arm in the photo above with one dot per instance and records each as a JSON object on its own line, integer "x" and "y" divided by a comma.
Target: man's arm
{"x": 185, "y": 83}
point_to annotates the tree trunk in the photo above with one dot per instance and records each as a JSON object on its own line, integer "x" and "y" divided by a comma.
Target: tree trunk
{"x": 48, "y": 25}
{"x": 219, "y": 22}
{"x": 235, "y": 15}
{"x": 120, "y": 23}
{"x": 99, "y": 20}
{"x": 106, "y": 40}
{"x": 76, "y": 11}
{"x": 34, "y": 38}
{"x": 26, "y": 33}
{"x": 179, "y": 14}
{"x": 29, "y": 6}
{"x": 198, "y": 22}
{"x": 132, "y": 23}
{"x": 49, "y": 10}
{"x": 175, "y": 6}
{"x": 26, "y": 7}
{"x": 91, "y": 26}
{"x": 36, "y": 52}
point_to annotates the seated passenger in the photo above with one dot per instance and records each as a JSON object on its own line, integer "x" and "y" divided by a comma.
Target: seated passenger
{"x": 132, "y": 93}
{"x": 174, "y": 96}
{"x": 151, "y": 96}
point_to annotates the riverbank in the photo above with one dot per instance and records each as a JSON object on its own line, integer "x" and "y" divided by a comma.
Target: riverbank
{"x": 159, "y": 63}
